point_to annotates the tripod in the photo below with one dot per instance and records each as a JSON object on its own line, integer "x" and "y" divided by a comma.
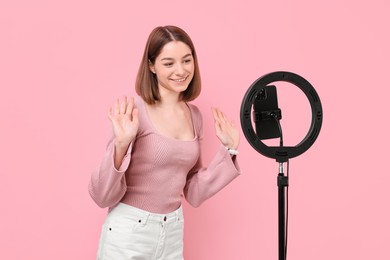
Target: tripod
{"x": 282, "y": 181}
{"x": 263, "y": 98}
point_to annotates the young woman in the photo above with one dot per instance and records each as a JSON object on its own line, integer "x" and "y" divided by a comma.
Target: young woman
{"x": 154, "y": 156}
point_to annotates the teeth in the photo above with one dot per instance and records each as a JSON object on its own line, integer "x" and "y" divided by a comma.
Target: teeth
{"x": 179, "y": 80}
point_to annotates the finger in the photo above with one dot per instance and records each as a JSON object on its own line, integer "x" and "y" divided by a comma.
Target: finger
{"x": 110, "y": 113}
{"x": 216, "y": 114}
{"x": 225, "y": 119}
{"x": 218, "y": 128}
{"x": 222, "y": 120}
{"x": 122, "y": 109}
{"x": 217, "y": 121}
{"x": 220, "y": 115}
{"x": 134, "y": 115}
{"x": 222, "y": 123}
{"x": 130, "y": 106}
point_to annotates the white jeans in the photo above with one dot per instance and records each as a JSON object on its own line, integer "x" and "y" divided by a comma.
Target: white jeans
{"x": 134, "y": 234}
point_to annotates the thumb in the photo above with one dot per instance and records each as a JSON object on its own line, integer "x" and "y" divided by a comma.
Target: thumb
{"x": 110, "y": 114}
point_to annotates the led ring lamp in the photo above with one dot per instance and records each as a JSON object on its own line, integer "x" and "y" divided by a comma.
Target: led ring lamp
{"x": 281, "y": 154}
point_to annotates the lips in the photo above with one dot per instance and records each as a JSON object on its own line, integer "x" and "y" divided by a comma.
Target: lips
{"x": 180, "y": 80}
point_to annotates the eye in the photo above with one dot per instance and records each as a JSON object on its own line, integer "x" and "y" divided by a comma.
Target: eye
{"x": 170, "y": 64}
{"x": 187, "y": 61}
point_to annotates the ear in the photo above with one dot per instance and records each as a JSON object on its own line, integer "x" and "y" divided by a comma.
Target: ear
{"x": 151, "y": 67}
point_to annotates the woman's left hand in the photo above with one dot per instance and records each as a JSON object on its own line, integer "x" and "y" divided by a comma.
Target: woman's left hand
{"x": 225, "y": 130}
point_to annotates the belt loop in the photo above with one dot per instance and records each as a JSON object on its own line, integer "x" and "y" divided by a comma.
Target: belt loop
{"x": 144, "y": 219}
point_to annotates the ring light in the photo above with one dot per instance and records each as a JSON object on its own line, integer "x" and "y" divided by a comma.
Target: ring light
{"x": 281, "y": 154}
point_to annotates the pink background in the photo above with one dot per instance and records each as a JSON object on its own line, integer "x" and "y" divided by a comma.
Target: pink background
{"x": 63, "y": 63}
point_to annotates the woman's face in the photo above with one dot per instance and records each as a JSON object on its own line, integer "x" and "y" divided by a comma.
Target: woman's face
{"x": 174, "y": 67}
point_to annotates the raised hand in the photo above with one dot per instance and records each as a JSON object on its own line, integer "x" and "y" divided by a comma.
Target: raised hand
{"x": 124, "y": 118}
{"x": 225, "y": 130}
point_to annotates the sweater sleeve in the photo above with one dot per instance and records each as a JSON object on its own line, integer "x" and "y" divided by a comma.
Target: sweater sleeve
{"x": 204, "y": 182}
{"x": 108, "y": 184}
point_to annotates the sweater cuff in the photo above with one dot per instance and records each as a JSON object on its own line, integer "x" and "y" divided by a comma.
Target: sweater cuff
{"x": 125, "y": 161}
{"x": 232, "y": 160}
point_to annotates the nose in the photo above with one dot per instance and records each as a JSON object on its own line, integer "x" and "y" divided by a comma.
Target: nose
{"x": 179, "y": 69}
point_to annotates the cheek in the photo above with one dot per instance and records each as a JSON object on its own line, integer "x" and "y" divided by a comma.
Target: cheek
{"x": 162, "y": 74}
{"x": 191, "y": 68}
{"x": 191, "y": 76}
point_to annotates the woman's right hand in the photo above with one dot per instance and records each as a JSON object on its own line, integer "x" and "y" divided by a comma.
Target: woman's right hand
{"x": 124, "y": 118}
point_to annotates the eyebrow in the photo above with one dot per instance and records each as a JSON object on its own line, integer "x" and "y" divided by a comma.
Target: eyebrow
{"x": 185, "y": 56}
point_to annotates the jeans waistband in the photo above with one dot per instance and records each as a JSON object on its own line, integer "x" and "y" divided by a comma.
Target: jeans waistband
{"x": 128, "y": 211}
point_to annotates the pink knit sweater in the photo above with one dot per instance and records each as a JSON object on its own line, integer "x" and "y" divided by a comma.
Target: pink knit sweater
{"x": 157, "y": 170}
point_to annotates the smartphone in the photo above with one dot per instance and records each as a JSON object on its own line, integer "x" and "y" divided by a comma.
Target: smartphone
{"x": 265, "y": 105}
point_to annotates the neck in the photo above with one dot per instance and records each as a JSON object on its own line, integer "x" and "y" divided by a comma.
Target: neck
{"x": 168, "y": 100}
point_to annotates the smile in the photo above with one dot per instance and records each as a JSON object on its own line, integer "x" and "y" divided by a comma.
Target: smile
{"x": 180, "y": 80}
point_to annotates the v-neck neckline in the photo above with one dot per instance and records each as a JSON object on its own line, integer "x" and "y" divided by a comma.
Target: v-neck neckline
{"x": 150, "y": 122}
